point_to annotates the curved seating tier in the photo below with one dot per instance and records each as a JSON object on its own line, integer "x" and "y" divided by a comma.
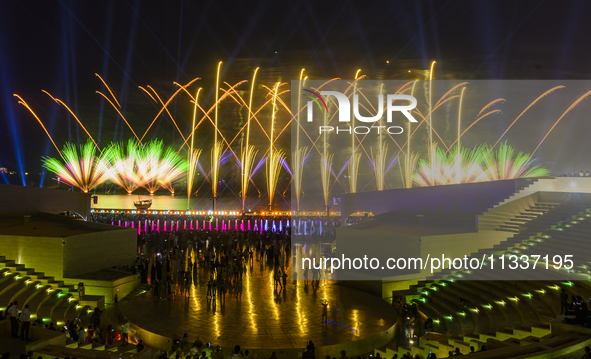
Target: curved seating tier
{"x": 511, "y": 317}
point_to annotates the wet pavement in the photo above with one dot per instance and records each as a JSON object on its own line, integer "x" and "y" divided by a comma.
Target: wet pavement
{"x": 263, "y": 315}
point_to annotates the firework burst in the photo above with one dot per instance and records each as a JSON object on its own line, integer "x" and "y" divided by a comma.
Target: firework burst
{"x": 124, "y": 162}
{"x": 82, "y": 169}
{"x": 451, "y": 168}
{"x": 502, "y": 164}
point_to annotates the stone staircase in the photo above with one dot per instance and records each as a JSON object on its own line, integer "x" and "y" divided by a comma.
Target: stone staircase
{"x": 522, "y": 192}
{"x": 74, "y": 349}
{"x": 520, "y": 220}
{"x": 49, "y": 300}
{"x": 511, "y": 317}
{"x": 92, "y": 350}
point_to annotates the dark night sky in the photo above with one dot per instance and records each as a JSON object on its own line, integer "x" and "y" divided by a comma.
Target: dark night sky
{"x": 59, "y": 46}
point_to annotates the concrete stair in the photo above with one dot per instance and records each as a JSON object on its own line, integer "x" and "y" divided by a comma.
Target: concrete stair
{"x": 506, "y": 314}
{"x": 49, "y": 300}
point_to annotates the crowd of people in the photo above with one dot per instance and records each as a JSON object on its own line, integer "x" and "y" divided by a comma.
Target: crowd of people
{"x": 575, "y": 312}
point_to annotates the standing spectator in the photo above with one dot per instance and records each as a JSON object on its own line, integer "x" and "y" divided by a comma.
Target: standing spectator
{"x": 237, "y": 354}
{"x": 309, "y": 354}
{"x": 109, "y": 335}
{"x": 81, "y": 335}
{"x": 13, "y": 312}
{"x": 218, "y": 353}
{"x": 208, "y": 288}
{"x": 185, "y": 346}
{"x": 124, "y": 329}
{"x": 563, "y": 301}
{"x": 194, "y": 352}
{"x": 89, "y": 334}
{"x": 324, "y": 309}
{"x": 284, "y": 278}
{"x": 25, "y": 318}
{"x": 81, "y": 290}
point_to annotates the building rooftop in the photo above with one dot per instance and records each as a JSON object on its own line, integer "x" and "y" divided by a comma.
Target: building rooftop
{"x": 49, "y": 225}
{"x": 413, "y": 224}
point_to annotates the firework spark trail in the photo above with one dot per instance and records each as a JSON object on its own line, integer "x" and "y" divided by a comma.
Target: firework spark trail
{"x": 574, "y": 104}
{"x": 273, "y": 170}
{"x": 378, "y": 164}
{"x": 444, "y": 98}
{"x": 418, "y": 113}
{"x": 218, "y": 147}
{"x": 248, "y": 156}
{"x": 206, "y": 116}
{"x": 166, "y": 104}
{"x": 325, "y": 171}
{"x": 193, "y": 164}
{"x": 168, "y": 112}
{"x": 491, "y": 104}
{"x": 216, "y": 155}
{"x": 325, "y": 165}
{"x": 410, "y": 159}
{"x": 269, "y": 101}
{"x": 459, "y": 158}
{"x": 297, "y": 155}
{"x": 248, "y": 153}
{"x": 308, "y": 152}
{"x": 148, "y": 93}
{"x": 22, "y": 102}
{"x": 355, "y": 156}
{"x": 60, "y": 102}
{"x": 275, "y": 157}
{"x": 378, "y": 123}
{"x": 192, "y": 156}
{"x": 373, "y": 110}
{"x": 84, "y": 170}
{"x": 527, "y": 108}
{"x": 472, "y": 124}
{"x": 108, "y": 88}
{"x": 431, "y": 148}
{"x": 378, "y": 161}
{"x": 123, "y": 117}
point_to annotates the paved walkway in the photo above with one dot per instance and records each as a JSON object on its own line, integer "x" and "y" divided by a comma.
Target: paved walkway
{"x": 264, "y": 316}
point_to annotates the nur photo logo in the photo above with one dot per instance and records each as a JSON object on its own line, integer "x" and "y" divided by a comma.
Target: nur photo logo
{"x": 394, "y": 103}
